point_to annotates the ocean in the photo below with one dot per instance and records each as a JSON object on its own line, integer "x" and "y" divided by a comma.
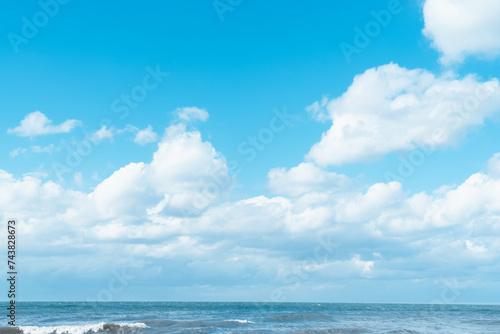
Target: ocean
{"x": 180, "y": 317}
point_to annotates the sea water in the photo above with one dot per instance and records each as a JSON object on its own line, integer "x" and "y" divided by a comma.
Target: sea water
{"x": 180, "y": 317}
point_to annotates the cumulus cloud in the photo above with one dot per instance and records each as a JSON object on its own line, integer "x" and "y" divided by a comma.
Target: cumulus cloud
{"x": 190, "y": 114}
{"x": 459, "y": 29}
{"x": 263, "y": 234}
{"x": 391, "y": 108}
{"x": 363, "y": 207}
{"x": 172, "y": 212}
{"x": 33, "y": 201}
{"x": 146, "y": 136}
{"x": 183, "y": 175}
{"x": 36, "y": 124}
{"x": 184, "y": 178}
{"x": 304, "y": 178}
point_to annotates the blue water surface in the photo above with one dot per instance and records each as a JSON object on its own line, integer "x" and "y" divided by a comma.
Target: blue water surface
{"x": 180, "y": 317}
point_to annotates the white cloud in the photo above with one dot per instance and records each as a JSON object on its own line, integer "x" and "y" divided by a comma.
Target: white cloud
{"x": 494, "y": 165}
{"x": 183, "y": 175}
{"x": 29, "y": 198}
{"x": 36, "y": 124}
{"x": 460, "y": 28}
{"x": 367, "y": 206}
{"x": 146, "y": 136}
{"x": 390, "y": 108}
{"x": 103, "y": 133}
{"x": 142, "y": 214}
{"x": 304, "y": 178}
{"x": 190, "y": 114}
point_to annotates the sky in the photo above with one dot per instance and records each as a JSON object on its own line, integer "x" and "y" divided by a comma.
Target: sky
{"x": 237, "y": 150}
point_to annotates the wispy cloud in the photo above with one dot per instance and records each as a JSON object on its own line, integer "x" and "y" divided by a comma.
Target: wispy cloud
{"x": 45, "y": 149}
{"x": 18, "y": 151}
{"x": 190, "y": 114}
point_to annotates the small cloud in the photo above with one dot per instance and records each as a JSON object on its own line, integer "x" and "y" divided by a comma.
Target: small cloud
{"x": 146, "y": 136}
{"x": 36, "y": 124}
{"x": 17, "y": 151}
{"x": 190, "y": 114}
{"x": 474, "y": 248}
{"x": 47, "y": 149}
{"x": 103, "y": 133}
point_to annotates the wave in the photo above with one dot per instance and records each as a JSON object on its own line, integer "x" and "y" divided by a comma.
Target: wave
{"x": 241, "y": 321}
{"x": 186, "y": 324}
{"x": 292, "y": 317}
{"x": 331, "y": 331}
{"x": 108, "y": 328}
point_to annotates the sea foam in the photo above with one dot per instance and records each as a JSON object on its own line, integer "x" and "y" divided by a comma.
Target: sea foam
{"x": 121, "y": 328}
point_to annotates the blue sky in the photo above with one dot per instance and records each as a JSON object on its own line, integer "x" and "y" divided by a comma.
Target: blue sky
{"x": 171, "y": 186}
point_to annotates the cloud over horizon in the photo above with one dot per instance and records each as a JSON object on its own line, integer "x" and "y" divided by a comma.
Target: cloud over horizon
{"x": 170, "y": 212}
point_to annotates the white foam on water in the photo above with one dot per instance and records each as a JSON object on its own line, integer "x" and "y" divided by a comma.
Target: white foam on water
{"x": 79, "y": 329}
{"x": 241, "y": 321}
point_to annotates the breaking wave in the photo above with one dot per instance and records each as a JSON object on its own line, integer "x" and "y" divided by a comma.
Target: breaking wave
{"x": 123, "y": 328}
